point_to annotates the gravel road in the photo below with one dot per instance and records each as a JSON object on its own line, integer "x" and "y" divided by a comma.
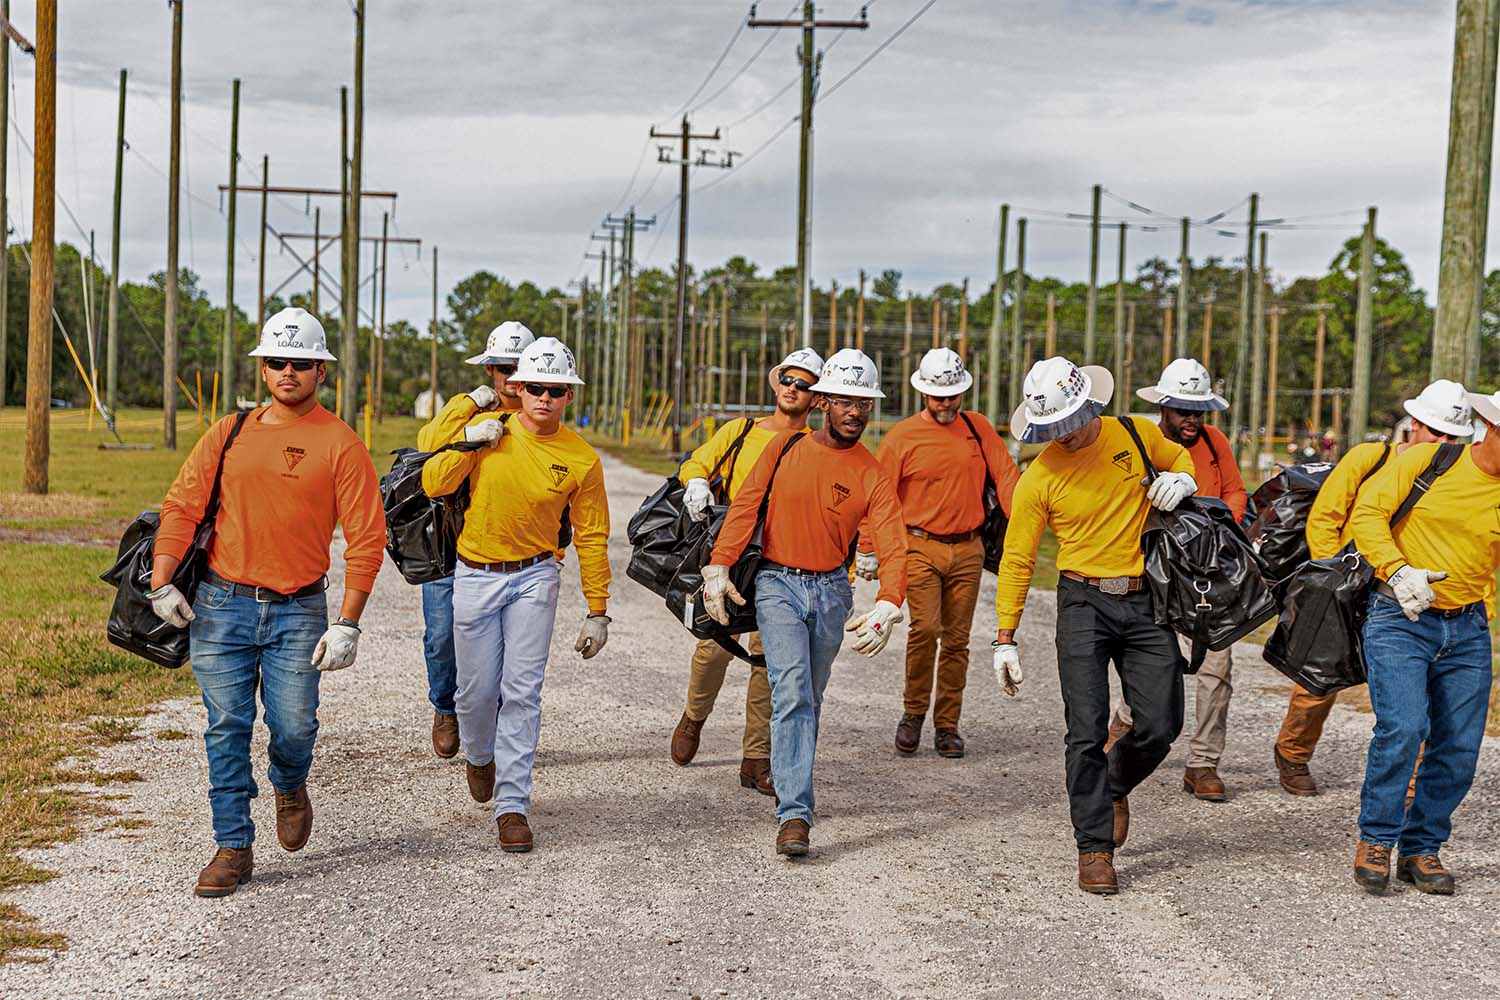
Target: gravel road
{"x": 929, "y": 877}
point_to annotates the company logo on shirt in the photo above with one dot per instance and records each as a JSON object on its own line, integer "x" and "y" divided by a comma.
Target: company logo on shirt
{"x": 840, "y": 494}
{"x": 293, "y": 456}
{"x": 559, "y": 473}
{"x": 1124, "y": 460}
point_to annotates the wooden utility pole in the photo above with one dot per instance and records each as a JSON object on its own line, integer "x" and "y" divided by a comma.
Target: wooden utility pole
{"x": 4, "y": 208}
{"x": 1364, "y": 324}
{"x": 833, "y": 317}
{"x": 174, "y": 188}
{"x": 1242, "y": 335}
{"x": 762, "y": 383}
{"x": 226, "y": 340}
{"x": 906, "y": 359}
{"x": 1017, "y": 320}
{"x": 43, "y": 248}
{"x": 1166, "y": 334}
{"x": 1257, "y": 359}
{"x": 385, "y": 284}
{"x": 1051, "y": 324}
{"x": 1184, "y": 275}
{"x": 1316, "y": 424}
{"x": 997, "y": 329}
{"x": 1122, "y": 373}
{"x": 1275, "y": 313}
{"x": 859, "y": 313}
{"x": 432, "y": 383}
{"x": 112, "y": 343}
{"x": 1471, "y": 124}
{"x": 1338, "y": 416}
{"x": 349, "y": 311}
{"x": 724, "y": 341}
{"x": 1208, "y": 328}
{"x": 260, "y": 293}
{"x": 1091, "y": 312}
{"x": 963, "y": 321}
{"x": 1122, "y": 388}
{"x": 937, "y": 320}
{"x": 317, "y": 275}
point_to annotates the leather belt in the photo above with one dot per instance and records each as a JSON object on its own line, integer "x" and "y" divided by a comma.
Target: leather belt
{"x": 796, "y": 571}
{"x": 1384, "y": 589}
{"x": 1116, "y": 586}
{"x": 265, "y": 595}
{"x": 514, "y": 566}
{"x": 958, "y": 539}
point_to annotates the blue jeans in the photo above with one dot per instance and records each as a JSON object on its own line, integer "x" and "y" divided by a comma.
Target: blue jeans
{"x": 237, "y": 644}
{"x": 502, "y": 631}
{"x": 1429, "y": 681}
{"x": 437, "y": 643}
{"x": 801, "y": 621}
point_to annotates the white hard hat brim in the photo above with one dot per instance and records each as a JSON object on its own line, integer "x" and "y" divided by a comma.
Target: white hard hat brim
{"x": 292, "y": 354}
{"x": 942, "y": 391}
{"x": 774, "y": 375}
{"x": 1486, "y": 408}
{"x": 1212, "y": 403}
{"x": 852, "y": 391}
{"x": 492, "y": 359}
{"x": 1035, "y": 431}
{"x": 1447, "y": 426}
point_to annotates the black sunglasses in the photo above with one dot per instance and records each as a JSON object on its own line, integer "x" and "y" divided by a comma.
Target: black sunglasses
{"x": 279, "y": 364}
{"x": 801, "y": 383}
{"x": 555, "y": 391}
{"x": 506, "y": 369}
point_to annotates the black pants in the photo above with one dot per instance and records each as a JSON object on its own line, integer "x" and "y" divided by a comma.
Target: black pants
{"x": 1094, "y": 629}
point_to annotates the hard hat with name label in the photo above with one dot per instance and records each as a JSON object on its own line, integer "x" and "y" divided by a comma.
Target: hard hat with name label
{"x": 1060, "y": 399}
{"x": 505, "y": 344}
{"x": 548, "y": 361}
{"x": 293, "y": 333}
{"x": 1487, "y": 409}
{"x": 803, "y": 357}
{"x": 850, "y": 372}
{"x": 942, "y": 373}
{"x": 1445, "y": 407}
{"x": 1184, "y": 385}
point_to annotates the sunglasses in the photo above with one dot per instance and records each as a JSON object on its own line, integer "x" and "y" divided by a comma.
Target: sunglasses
{"x": 279, "y": 364}
{"x": 555, "y": 391}
{"x": 802, "y": 384}
{"x": 505, "y": 369}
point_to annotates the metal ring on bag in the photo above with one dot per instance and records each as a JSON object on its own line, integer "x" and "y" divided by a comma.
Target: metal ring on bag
{"x": 1202, "y": 594}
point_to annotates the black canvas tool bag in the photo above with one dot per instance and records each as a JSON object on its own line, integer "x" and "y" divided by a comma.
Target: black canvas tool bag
{"x": 1205, "y": 579}
{"x": 685, "y": 594}
{"x": 995, "y": 521}
{"x": 133, "y": 626}
{"x": 1319, "y": 640}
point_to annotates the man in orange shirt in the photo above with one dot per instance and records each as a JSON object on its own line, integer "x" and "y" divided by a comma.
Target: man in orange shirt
{"x": 939, "y": 459}
{"x": 291, "y": 474}
{"x": 826, "y": 484}
{"x": 1185, "y": 393}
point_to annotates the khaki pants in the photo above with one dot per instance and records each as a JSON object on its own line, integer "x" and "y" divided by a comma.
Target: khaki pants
{"x": 1213, "y": 689}
{"x": 710, "y": 661}
{"x": 1303, "y": 725}
{"x": 942, "y": 587}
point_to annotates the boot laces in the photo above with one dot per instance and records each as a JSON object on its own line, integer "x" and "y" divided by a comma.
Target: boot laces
{"x": 1378, "y": 854}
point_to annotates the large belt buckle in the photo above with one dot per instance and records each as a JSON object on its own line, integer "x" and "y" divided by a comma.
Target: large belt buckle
{"x": 275, "y": 598}
{"x": 1115, "y": 586}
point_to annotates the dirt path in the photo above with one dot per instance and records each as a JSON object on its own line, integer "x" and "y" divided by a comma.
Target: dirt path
{"x": 929, "y": 878}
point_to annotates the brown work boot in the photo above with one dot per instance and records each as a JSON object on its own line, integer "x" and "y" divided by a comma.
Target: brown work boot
{"x": 1096, "y": 873}
{"x": 755, "y": 772}
{"x": 1425, "y": 872}
{"x": 229, "y": 868}
{"x": 1117, "y": 731}
{"x": 444, "y": 734}
{"x": 791, "y": 839}
{"x": 1296, "y": 779}
{"x": 1372, "y": 867}
{"x": 685, "y": 740}
{"x": 908, "y": 733}
{"x": 1122, "y": 820}
{"x": 293, "y": 818}
{"x": 481, "y": 779}
{"x": 515, "y": 833}
{"x": 1204, "y": 783}
{"x": 948, "y": 743}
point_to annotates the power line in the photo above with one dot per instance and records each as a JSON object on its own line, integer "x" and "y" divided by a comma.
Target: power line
{"x": 741, "y": 72}
{"x": 739, "y": 29}
{"x": 878, "y": 49}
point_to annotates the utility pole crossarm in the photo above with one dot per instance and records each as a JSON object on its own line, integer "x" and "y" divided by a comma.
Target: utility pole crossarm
{"x": 310, "y": 191}
{"x": 339, "y": 236}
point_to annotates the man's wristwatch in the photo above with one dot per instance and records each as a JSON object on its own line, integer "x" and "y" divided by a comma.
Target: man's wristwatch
{"x": 350, "y": 622}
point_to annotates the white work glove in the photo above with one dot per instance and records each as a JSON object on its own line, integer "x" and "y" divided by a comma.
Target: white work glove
{"x": 866, "y": 565}
{"x": 1008, "y": 667}
{"x": 593, "y": 636}
{"x": 1413, "y": 588}
{"x": 485, "y": 432}
{"x": 1170, "y": 489}
{"x": 716, "y": 587}
{"x": 171, "y": 606}
{"x": 873, "y": 629}
{"x": 337, "y": 648}
{"x": 696, "y": 497}
{"x": 485, "y": 397}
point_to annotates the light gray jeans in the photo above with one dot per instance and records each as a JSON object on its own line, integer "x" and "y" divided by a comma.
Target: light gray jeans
{"x": 1213, "y": 686}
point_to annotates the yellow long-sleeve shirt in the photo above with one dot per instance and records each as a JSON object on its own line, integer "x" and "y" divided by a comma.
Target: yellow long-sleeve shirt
{"x": 1328, "y": 520}
{"x": 456, "y": 414}
{"x": 1455, "y": 527}
{"x": 701, "y": 462}
{"x": 517, "y": 492}
{"x": 1094, "y": 502}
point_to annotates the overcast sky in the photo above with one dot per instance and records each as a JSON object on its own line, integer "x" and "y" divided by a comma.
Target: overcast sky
{"x": 509, "y": 128}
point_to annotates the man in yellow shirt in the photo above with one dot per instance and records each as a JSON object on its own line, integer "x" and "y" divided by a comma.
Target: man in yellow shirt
{"x": 792, "y": 382}
{"x": 501, "y": 352}
{"x": 1440, "y": 413}
{"x": 505, "y": 590}
{"x": 1087, "y": 485}
{"x": 1427, "y": 650}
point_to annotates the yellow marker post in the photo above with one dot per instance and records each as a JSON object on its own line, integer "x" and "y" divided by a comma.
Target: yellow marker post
{"x": 625, "y": 428}
{"x": 338, "y": 397}
{"x": 213, "y": 405}
{"x": 198, "y": 378}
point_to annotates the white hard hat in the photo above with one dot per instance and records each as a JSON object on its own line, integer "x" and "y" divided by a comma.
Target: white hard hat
{"x": 547, "y": 360}
{"x": 1487, "y": 409}
{"x": 1184, "y": 385}
{"x": 505, "y": 344}
{"x": 803, "y": 357}
{"x": 293, "y": 333}
{"x": 942, "y": 373}
{"x": 1445, "y": 407}
{"x": 850, "y": 372}
{"x": 1060, "y": 398}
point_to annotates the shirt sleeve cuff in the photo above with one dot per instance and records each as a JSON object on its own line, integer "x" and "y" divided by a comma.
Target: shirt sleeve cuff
{"x": 597, "y": 607}
{"x": 364, "y": 582}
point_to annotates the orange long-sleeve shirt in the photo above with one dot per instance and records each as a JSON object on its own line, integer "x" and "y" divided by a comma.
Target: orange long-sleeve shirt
{"x": 285, "y": 487}
{"x": 1216, "y": 472}
{"x": 820, "y": 496}
{"x": 939, "y": 471}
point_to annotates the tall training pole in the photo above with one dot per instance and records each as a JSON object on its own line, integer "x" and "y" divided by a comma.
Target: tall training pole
{"x": 678, "y": 401}
{"x": 1091, "y": 317}
{"x": 804, "y": 173}
{"x": 174, "y": 189}
{"x": 1122, "y": 371}
{"x": 997, "y": 328}
{"x": 1242, "y": 334}
{"x": 1364, "y": 330}
{"x": 226, "y": 339}
{"x": 385, "y": 283}
{"x": 1017, "y": 320}
{"x": 432, "y": 384}
{"x": 43, "y": 248}
{"x": 260, "y": 290}
{"x": 4, "y": 208}
{"x": 1257, "y": 359}
{"x": 112, "y": 330}
{"x": 349, "y": 357}
{"x": 1184, "y": 274}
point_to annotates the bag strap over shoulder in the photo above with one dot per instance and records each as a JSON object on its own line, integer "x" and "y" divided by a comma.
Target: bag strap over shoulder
{"x": 1379, "y": 464}
{"x": 765, "y": 500}
{"x": 1140, "y": 445}
{"x": 1442, "y": 460}
{"x": 732, "y": 453}
{"x": 211, "y": 510}
{"x": 989, "y": 480}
